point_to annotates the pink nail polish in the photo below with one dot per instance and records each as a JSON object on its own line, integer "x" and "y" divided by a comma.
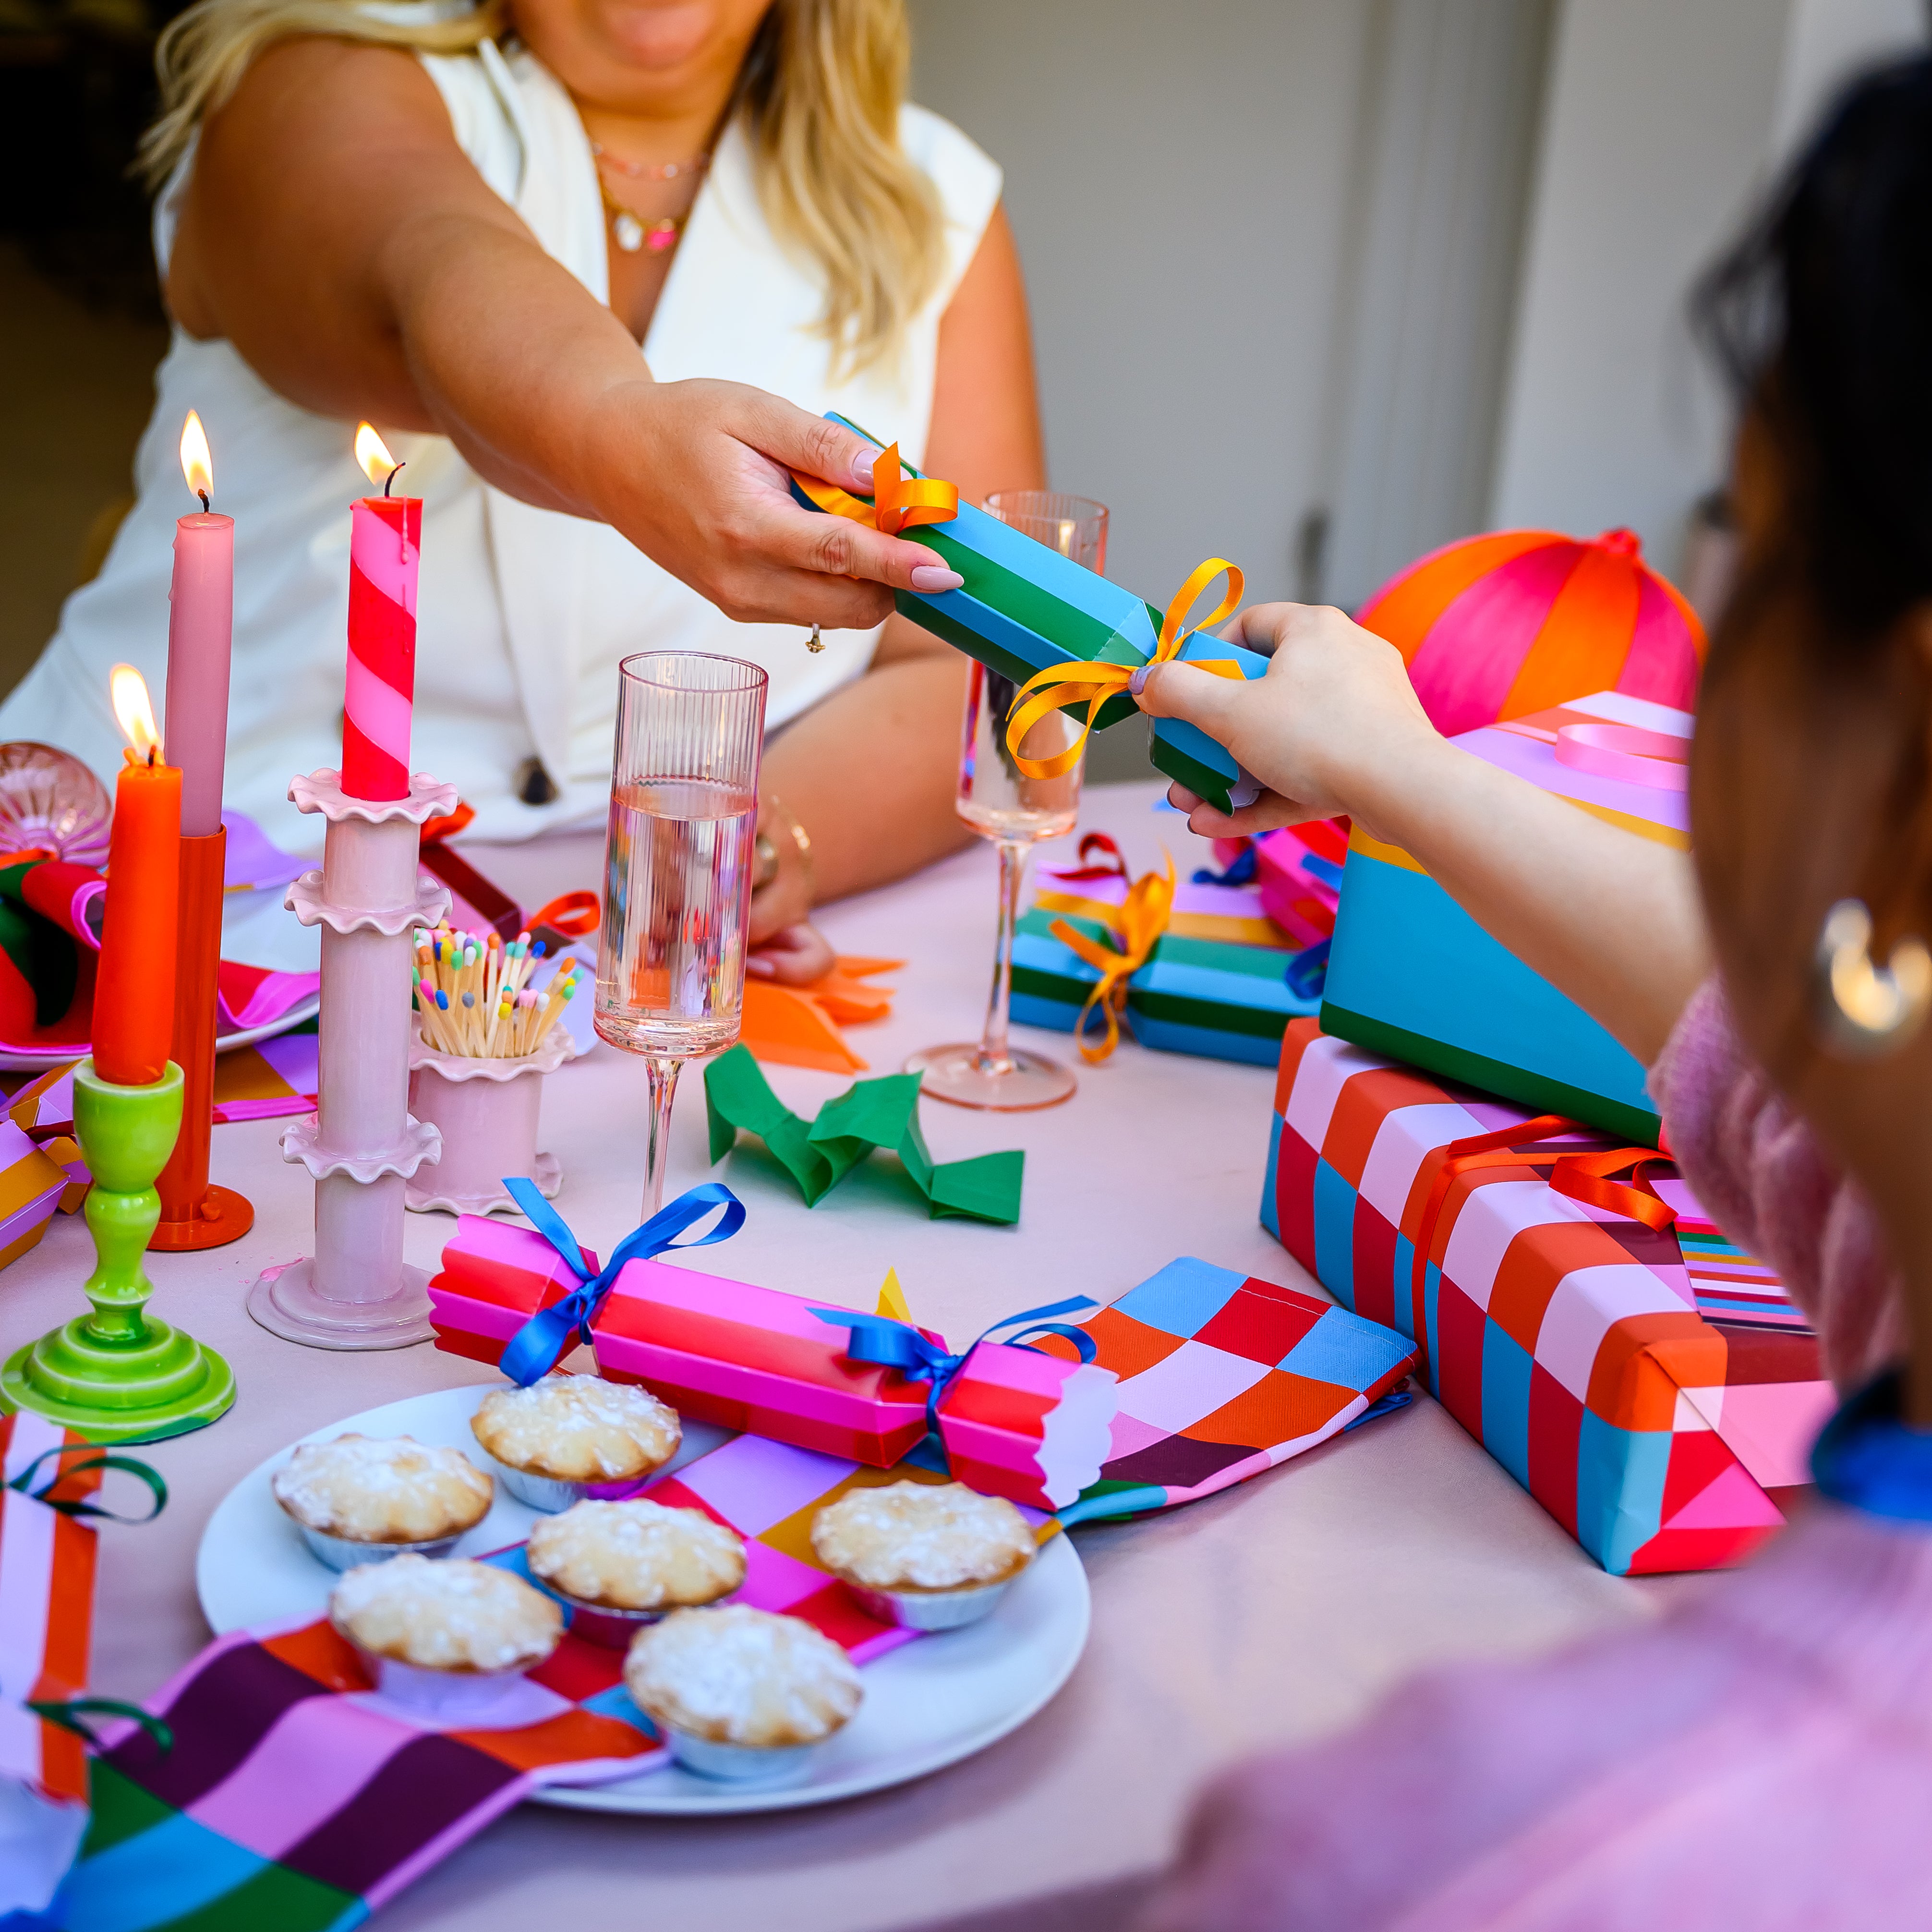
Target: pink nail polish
{"x": 861, "y": 471}
{"x": 934, "y": 576}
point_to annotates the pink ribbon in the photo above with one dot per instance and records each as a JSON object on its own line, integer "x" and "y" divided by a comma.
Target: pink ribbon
{"x": 1627, "y": 752}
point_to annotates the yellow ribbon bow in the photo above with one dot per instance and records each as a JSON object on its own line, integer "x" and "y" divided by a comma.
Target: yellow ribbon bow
{"x": 1143, "y": 918}
{"x": 1092, "y": 684}
{"x": 898, "y": 501}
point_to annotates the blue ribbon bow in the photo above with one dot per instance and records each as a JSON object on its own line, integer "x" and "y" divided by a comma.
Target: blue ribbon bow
{"x": 898, "y": 1344}
{"x": 536, "y": 1347}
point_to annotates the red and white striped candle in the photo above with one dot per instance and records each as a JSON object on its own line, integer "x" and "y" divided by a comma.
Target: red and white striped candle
{"x": 385, "y": 548}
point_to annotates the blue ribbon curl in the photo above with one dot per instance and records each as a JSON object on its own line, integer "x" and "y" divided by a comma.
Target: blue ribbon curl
{"x": 539, "y": 1344}
{"x": 897, "y": 1345}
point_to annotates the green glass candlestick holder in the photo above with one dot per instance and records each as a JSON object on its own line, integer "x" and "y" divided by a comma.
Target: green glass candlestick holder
{"x": 117, "y": 1375}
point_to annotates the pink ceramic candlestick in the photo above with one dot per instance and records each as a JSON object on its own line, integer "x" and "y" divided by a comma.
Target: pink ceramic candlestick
{"x": 362, "y": 1144}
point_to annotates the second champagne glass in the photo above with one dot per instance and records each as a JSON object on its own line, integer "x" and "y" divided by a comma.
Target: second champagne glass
{"x": 678, "y": 863}
{"x": 1000, "y": 802}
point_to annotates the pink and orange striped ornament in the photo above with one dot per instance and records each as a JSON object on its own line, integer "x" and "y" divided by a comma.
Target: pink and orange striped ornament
{"x": 378, "y": 691}
{"x": 1516, "y": 621}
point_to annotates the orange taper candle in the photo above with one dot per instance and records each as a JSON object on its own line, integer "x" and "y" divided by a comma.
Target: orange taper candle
{"x": 134, "y": 986}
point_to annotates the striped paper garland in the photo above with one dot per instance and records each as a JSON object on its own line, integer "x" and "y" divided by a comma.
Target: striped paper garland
{"x": 1516, "y": 621}
{"x": 385, "y": 548}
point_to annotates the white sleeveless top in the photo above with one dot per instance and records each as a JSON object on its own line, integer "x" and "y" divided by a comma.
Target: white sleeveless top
{"x": 522, "y": 613}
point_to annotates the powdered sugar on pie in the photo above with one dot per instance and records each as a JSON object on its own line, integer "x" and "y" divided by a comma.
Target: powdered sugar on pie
{"x": 578, "y": 1429}
{"x": 450, "y": 1615}
{"x": 636, "y": 1555}
{"x": 921, "y": 1536}
{"x": 741, "y": 1676}
{"x": 382, "y": 1490}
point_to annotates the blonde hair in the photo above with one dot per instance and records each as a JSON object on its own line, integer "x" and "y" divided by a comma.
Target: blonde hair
{"x": 818, "y": 95}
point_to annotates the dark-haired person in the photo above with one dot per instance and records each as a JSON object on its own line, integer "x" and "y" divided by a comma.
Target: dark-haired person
{"x": 1761, "y": 1757}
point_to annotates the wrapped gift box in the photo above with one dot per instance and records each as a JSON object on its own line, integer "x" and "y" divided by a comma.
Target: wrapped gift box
{"x": 1411, "y": 974}
{"x": 1201, "y": 996}
{"x": 1203, "y": 909}
{"x": 1030, "y": 1427}
{"x": 32, "y": 1185}
{"x": 1298, "y": 877}
{"x": 1023, "y": 608}
{"x": 1607, "y": 1376}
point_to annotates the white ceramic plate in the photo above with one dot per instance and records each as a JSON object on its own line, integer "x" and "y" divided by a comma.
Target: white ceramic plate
{"x": 928, "y": 1705}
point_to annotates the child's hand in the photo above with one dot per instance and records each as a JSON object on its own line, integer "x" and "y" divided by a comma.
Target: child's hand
{"x": 1335, "y": 708}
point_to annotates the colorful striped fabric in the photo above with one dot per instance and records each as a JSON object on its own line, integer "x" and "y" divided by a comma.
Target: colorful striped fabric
{"x": 272, "y": 1078}
{"x": 295, "y": 1799}
{"x": 1566, "y": 1340}
{"x": 1497, "y": 625}
{"x": 1223, "y": 1376}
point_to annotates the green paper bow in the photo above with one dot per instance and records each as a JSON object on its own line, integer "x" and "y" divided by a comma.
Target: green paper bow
{"x": 881, "y": 1113}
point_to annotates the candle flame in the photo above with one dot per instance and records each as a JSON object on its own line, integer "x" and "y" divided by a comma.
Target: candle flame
{"x": 197, "y": 465}
{"x": 134, "y": 714}
{"x": 373, "y": 453}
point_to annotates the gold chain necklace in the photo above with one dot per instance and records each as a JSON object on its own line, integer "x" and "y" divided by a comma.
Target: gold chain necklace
{"x": 632, "y": 232}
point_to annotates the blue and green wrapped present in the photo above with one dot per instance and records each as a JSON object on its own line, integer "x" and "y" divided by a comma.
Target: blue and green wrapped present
{"x": 1025, "y": 610}
{"x": 1207, "y": 996}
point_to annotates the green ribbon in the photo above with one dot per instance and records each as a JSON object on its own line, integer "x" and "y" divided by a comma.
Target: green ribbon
{"x": 71, "y": 1714}
{"x": 77, "y": 1506}
{"x": 882, "y": 1113}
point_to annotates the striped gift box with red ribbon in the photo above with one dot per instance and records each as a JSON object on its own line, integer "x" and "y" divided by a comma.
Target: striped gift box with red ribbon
{"x": 1540, "y": 1267}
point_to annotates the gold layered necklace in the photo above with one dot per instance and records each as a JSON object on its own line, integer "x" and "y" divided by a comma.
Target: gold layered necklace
{"x": 631, "y": 230}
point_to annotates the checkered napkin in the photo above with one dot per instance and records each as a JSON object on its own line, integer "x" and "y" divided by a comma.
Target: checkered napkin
{"x": 294, "y": 1799}
{"x": 1223, "y": 1376}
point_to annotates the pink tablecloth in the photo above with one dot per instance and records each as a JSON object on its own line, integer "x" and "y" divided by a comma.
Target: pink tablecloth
{"x": 1274, "y": 1612}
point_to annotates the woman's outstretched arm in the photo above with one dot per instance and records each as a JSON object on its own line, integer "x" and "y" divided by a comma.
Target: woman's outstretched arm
{"x": 872, "y": 771}
{"x": 1612, "y": 920}
{"x": 334, "y": 232}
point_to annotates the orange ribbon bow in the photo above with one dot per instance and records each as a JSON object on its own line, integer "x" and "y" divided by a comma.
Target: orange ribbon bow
{"x": 1092, "y": 683}
{"x": 899, "y": 501}
{"x": 1143, "y": 918}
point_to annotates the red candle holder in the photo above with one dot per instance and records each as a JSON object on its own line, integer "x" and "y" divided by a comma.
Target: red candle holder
{"x": 195, "y": 1213}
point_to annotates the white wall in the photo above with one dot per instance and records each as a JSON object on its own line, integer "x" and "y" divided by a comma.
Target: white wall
{"x": 1177, "y": 178}
{"x": 1662, "y": 122}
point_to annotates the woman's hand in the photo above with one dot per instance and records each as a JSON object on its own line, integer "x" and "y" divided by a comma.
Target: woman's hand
{"x": 794, "y": 956}
{"x": 1335, "y": 713}
{"x": 696, "y": 475}
{"x": 1334, "y": 726}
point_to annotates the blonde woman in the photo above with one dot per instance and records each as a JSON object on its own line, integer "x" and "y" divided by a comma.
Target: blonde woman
{"x": 568, "y": 255}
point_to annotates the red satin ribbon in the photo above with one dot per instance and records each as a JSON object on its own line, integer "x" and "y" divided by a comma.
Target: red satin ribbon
{"x": 1581, "y": 1174}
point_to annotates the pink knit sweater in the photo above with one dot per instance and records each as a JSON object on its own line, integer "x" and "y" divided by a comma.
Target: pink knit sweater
{"x": 1760, "y": 1758}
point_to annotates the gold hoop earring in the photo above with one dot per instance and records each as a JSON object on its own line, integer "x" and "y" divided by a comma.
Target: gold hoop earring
{"x": 1864, "y": 1010}
{"x": 815, "y": 643}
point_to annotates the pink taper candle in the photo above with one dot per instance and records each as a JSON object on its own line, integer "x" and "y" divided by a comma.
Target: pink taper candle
{"x": 201, "y": 618}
